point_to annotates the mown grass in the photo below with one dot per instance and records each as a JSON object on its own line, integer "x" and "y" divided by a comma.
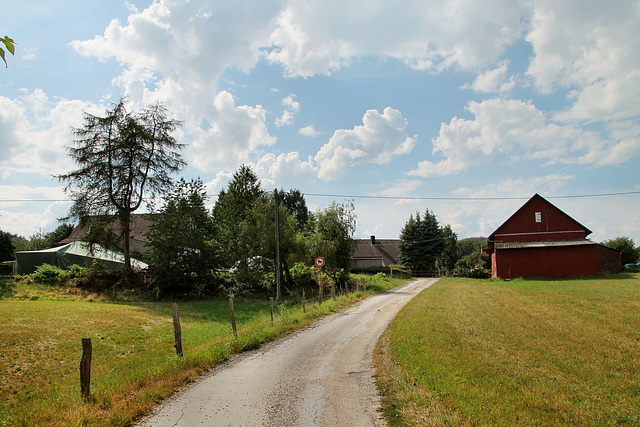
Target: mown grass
{"x": 524, "y": 352}
{"x": 134, "y": 361}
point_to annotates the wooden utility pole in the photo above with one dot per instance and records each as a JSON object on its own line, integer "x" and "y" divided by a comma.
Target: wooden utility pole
{"x": 275, "y": 192}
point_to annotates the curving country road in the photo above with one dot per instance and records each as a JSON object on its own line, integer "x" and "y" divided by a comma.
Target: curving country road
{"x": 321, "y": 376}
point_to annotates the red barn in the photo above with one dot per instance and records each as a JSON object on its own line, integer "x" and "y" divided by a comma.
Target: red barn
{"x": 540, "y": 240}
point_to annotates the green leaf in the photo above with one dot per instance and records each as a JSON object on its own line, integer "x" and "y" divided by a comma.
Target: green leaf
{"x": 9, "y": 43}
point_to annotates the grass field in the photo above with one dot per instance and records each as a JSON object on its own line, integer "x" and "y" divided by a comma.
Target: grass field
{"x": 524, "y": 352}
{"x": 134, "y": 361}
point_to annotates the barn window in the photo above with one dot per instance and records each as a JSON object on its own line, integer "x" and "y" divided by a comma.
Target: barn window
{"x": 538, "y": 217}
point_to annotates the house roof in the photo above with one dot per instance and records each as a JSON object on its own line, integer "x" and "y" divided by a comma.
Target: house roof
{"x": 385, "y": 249}
{"x": 140, "y": 224}
{"x": 561, "y": 224}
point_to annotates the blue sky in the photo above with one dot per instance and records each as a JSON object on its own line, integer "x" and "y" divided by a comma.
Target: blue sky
{"x": 465, "y": 108}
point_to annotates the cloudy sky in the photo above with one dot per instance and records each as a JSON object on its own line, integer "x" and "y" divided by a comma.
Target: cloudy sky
{"x": 462, "y": 107}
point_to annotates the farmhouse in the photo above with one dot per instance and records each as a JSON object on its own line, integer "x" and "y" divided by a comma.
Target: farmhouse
{"x": 374, "y": 252}
{"x": 138, "y": 241}
{"x": 540, "y": 240}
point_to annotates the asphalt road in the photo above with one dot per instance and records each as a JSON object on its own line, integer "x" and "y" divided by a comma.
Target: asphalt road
{"x": 321, "y": 376}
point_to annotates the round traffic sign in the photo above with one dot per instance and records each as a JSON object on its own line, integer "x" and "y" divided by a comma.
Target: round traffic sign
{"x": 319, "y": 261}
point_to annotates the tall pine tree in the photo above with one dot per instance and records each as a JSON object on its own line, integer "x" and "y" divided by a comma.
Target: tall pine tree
{"x": 421, "y": 241}
{"x": 231, "y": 209}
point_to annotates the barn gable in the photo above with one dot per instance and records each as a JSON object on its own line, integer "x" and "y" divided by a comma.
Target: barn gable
{"x": 537, "y": 220}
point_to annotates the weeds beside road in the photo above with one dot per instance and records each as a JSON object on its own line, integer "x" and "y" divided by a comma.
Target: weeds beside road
{"x": 524, "y": 352}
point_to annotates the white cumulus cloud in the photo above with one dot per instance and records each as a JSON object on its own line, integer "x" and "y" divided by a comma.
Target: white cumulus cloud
{"x": 493, "y": 81}
{"x": 235, "y": 132}
{"x": 291, "y": 107}
{"x": 308, "y": 131}
{"x": 381, "y": 137}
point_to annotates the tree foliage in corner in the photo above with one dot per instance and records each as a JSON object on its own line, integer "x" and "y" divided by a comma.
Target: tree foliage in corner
{"x": 183, "y": 256}
{"x": 9, "y": 45}
{"x": 122, "y": 157}
{"x": 421, "y": 241}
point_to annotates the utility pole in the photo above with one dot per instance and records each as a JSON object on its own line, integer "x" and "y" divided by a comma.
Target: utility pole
{"x": 275, "y": 192}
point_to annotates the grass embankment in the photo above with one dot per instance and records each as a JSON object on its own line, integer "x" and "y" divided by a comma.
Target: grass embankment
{"x": 524, "y": 352}
{"x": 134, "y": 361}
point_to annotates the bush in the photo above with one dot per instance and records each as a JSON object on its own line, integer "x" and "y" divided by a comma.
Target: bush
{"x": 474, "y": 265}
{"x": 380, "y": 277}
{"x": 303, "y": 276}
{"x": 50, "y": 275}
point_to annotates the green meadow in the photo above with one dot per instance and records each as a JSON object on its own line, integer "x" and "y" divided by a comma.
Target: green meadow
{"x": 522, "y": 352}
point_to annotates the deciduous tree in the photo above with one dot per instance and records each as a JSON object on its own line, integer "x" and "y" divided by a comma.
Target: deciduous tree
{"x": 333, "y": 239}
{"x": 626, "y": 245}
{"x": 446, "y": 261}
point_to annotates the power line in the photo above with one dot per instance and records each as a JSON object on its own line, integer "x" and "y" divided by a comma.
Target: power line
{"x": 357, "y": 196}
{"x": 347, "y": 196}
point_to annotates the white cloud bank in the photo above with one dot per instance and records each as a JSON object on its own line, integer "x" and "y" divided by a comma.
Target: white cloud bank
{"x": 508, "y": 130}
{"x": 178, "y": 50}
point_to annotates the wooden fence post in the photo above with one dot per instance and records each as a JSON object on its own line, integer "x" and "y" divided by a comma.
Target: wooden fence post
{"x": 233, "y": 318}
{"x": 304, "y": 303}
{"x": 271, "y": 305}
{"x": 177, "y": 331}
{"x": 85, "y": 369}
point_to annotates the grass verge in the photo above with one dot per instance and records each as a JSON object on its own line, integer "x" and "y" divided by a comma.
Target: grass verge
{"x": 524, "y": 352}
{"x": 134, "y": 363}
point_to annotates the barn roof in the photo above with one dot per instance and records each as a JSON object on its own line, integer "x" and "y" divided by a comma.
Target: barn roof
{"x": 539, "y": 201}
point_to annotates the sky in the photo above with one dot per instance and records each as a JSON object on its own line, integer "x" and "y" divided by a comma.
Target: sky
{"x": 461, "y": 107}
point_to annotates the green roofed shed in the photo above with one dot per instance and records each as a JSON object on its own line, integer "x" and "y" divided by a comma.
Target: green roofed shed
{"x": 74, "y": 253}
